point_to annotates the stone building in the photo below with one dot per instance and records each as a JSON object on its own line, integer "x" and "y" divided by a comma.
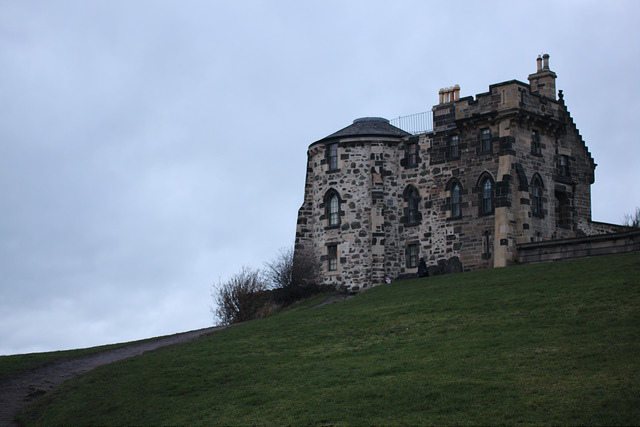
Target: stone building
{"x": 505, "y": 168}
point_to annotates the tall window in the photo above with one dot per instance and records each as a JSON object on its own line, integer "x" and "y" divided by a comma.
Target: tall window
{"x": 413, "y": 206}
{"x": 412, "y": 214}
{"x": 332, "y": 257}
{"x": 563, "y": 210}
{"x": 334, "y": 210}
{"x": 535, "y": 142}
{"x": 412, "y": 154}
{"x": 332, "y": 157}
{"x": 412, "y": 256}
{"x": 564, "y": 165}
{"x": 486, "y": 245}
{"x": 485, "y": 140}
{"x": 486, "y": 206}
{"x": 454, "y": 147}
{"x": 456, "y": 212}
{"x": 536, "y": 196}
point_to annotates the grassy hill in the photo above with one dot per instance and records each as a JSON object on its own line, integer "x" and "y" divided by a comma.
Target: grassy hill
{"x": 551, "y": 343}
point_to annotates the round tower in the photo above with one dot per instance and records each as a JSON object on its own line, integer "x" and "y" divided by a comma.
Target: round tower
{"x": 342, "y": 218}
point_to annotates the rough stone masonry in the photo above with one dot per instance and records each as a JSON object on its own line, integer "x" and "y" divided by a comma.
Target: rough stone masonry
{"x": 504, "y": 168}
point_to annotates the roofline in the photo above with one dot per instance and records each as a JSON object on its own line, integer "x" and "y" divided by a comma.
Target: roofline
{"x": 359, "y": 138}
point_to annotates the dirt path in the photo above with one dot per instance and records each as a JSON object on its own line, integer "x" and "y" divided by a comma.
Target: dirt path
{"x": 17, "y": 392}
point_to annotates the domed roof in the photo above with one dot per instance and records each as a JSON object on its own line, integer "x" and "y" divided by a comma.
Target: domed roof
{"x": 367, "y": 126}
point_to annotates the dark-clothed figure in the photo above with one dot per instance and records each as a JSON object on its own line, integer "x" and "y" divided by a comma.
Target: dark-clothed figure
{"x": 422, "y": 268}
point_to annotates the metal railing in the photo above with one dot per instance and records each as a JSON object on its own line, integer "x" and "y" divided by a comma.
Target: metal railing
{"x": 415, "y": 123}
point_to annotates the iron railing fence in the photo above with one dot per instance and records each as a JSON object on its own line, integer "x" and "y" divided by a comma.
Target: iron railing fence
{"x": 415, "y": 123}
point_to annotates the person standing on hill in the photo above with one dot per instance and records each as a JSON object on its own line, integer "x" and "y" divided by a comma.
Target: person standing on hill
{"x": 422, "y": 268}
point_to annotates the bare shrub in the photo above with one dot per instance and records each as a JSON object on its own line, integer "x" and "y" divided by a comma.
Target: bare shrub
{"x": 241, "y": 298}
{"x": 293, "y": 275}
{"x": 279, "y": 272}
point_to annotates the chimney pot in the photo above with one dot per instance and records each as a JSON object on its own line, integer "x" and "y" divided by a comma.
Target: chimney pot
{"x": 539, "y": 61}
{"x": 545, "y": 58}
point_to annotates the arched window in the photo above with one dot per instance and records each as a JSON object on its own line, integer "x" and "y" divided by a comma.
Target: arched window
{"x": 536, "y": 195}
{"x": 487, "y": 199}
{"x": 413, "y": 206}
{"x": 486, "y": 189}
{"x": 412, "y": 210}
{"x": 332, "y": 208}
{"x": 455, "y": 201}
{"x": 454, "y": 188}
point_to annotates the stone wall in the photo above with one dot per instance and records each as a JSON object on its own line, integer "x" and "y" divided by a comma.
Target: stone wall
{"x": 580, "y": 247}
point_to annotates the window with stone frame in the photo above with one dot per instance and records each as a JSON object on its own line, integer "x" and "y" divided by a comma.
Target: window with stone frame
{"x": 536, "y": 148}
{"x": 563, "y": 210}
{"x": 487, "y": 244}
{"x": 536, "y": 196}
{"x": 412, "y": 256}
{"x": 485, "y": 140}
{"x": 454, "y": 147}
{"x": 413, "y": 207}
{"x": 411, "y": 154}
{"x": 486, "y": 195}
{"x": 332, "y": 208}
{"x": 563, "y": 165}
{"x": 456, "y": 199}
{"x": 332, "y": 156}
{"x": 332, "y": 257}
{"x": 412, "y": 210}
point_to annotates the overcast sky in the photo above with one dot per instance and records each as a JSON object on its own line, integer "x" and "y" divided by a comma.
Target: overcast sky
{"x": 149, "y": 149}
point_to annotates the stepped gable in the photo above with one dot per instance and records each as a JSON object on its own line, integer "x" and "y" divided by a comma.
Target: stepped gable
{"x": 367, "y": 126}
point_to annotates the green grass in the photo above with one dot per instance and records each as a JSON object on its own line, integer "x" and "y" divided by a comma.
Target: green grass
{"x": 17, "y": 364}
{"x": 555, "y": 343}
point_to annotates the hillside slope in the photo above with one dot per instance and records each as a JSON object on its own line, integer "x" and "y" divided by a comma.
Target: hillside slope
{"x": 539, "y": 344}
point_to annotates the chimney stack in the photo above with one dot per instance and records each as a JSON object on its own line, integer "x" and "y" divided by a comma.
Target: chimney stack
{"x": 449, "y": 94}
{"x": 543, "y": 81}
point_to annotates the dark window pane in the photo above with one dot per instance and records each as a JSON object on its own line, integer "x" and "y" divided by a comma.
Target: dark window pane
{"x": 454, "y": 149}
{"x": 455, "y": 201}
{"x": 412, "y": 256}
{"x": 333, "y": 257}
{"x": 486, "y": 140}
{"x": 535, "y": 142}
{"x": 412, "y": 154}
{"x": 334, "y": 208}
{"x": 333, "y": 156}
{"x": 486, "y": 197}
{"x": 413, "y": 206}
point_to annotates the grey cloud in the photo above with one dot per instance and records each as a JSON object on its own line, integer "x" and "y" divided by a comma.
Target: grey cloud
{"x": 149, "y": 149}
